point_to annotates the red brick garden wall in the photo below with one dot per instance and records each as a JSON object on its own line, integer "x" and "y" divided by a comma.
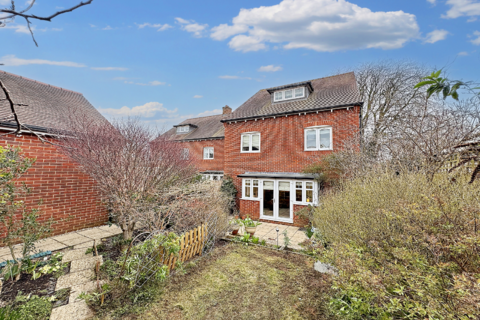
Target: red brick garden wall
{"x": 196, "y": 151}
{"x": 68, "y": 196}
{"x": 282, "y": 144}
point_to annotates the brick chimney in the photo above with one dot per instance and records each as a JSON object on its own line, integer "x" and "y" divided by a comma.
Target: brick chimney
{"x": 227, "y": 110}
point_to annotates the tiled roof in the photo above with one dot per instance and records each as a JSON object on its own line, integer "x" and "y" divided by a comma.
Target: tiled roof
{"x": 43, "y": 106}
{"x": 340, "y": 90}
{"x": 327, "y": 92}
{"x": 207, "y": 127}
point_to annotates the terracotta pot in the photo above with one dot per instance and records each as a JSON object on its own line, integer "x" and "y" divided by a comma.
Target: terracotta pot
{"x": 235, "y": 229}
{"x": 251, "y": 230}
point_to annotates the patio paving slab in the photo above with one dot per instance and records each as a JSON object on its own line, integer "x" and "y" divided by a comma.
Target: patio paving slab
{"x": 86, "y": 287}
{"x": 85, "y": 264}
{"x": 74, "y": 279}
{"x": 72, "y": 311}
{"x": 85, "y": 245}
{"x": 75, "y": 254}
{"x": 95, "y": 233}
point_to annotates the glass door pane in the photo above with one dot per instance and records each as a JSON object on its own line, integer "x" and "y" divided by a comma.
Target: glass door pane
{"x": 268, "y": 189}
{"x": 284, "y": 200}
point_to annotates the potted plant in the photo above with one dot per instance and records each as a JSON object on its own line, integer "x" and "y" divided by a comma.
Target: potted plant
{"x": 250, "y": 225}
{"x": 235, "y": 225}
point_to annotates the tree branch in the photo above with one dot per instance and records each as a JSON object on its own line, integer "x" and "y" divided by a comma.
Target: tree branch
{"x": 49, "y": 18}
{"x": 12, "y": 107}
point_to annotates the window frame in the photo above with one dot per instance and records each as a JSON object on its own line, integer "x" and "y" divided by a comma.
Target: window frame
{"x": 304, "y": 193}
{"x": 251, "y": 186}
{"x": 179, "y": 129}
{"x": 293, "y": 94}
{"x": 250, "y": 146}
{"x": 317, "y": 138}
{"x": 213, "y": 153}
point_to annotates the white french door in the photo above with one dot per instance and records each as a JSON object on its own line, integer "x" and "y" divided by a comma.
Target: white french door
{"x": 276, "y": 202}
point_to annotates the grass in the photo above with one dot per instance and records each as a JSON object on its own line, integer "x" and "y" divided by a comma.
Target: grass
{"x": 239, "y": 282}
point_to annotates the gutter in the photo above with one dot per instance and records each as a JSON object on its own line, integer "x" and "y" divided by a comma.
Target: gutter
{"x": 305, "y": 111}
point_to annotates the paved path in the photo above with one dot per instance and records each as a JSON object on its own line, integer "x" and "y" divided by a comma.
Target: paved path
{"x": 267, "y": 231}
{"x": 77, "y": 239}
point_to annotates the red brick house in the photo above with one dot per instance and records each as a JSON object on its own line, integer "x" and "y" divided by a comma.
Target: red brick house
{"x": 68, "y": 196}
{"x": 265, "y": 144}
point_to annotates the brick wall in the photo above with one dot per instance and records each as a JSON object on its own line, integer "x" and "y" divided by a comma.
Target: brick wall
{"x": 68, "y": 196}
{"x": 196, "y": 152}
{"x": 282, "y": 145}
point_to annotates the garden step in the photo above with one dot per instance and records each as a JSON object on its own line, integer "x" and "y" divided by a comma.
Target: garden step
{"x": 74, "y": 279}
{"x": 76, "y": 254}
{"x": 86, "y": 287}
{"x": 85, "y": 264}
{"x": 72, "y": 311}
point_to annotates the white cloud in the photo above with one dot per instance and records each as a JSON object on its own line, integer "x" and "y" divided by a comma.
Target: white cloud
{"x": 234, "y": 77}
{"x": 321, "y": 25}
{"x": 270, "y": 68}
{"x": 158, "y": 26}
{"x": 12, "y": 60}
{"x": 192, "y": 27}
{"x": 209, "y": 113}
{"x": 432, "y": 1}
{"x": 110, "y": 68}
{"x": 107, "y": 28}
{"x": 436, "y": 35}
{"x": 463, "y": 53}
{"x": 151, "y": 83}
{"x": 477, "y": 40}
{"x": 120, "y": 78}
{"x": 197, "y": 96}
{"x": 20, "y": 28}
{"x": 5, "y": 2}
{"x": 459, "y": 8}
{"x": 92, "y": 25}
{"x": 148, "y": 110}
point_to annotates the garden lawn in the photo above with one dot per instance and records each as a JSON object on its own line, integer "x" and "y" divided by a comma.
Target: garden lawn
{"x": 240, "y": 282}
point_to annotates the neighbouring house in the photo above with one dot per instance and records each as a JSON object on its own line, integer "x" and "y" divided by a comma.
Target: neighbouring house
{"x": 265, "y": 144}
{"x": 65, "y": 193}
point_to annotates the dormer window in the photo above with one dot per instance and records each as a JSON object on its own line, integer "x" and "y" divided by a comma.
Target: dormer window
{"x": 183, "y": 129}
{"x": 289, "y": 94}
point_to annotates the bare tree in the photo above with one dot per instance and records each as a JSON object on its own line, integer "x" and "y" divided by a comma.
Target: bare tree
{"x": 387, "y": 90}
{"x": 11, "y": 13}
{"x": 129, "y": 166}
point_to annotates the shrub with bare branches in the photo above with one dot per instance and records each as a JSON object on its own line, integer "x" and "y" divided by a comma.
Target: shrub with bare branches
{"x": 130, "y": 164}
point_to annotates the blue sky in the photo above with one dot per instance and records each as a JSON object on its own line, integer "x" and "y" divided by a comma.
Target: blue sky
{"x": 165, "y": 61}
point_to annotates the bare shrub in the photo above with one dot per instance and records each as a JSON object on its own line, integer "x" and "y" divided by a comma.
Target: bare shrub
{"x": 130, "y": 164}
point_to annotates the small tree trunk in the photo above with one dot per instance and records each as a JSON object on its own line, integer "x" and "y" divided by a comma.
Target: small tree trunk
{"x": 19, "y": 263}
{"x": 127, "y": 229}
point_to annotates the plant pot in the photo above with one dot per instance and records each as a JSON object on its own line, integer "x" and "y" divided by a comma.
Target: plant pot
{"x": 235, "y": 229}
{"x": 251, "y": 230}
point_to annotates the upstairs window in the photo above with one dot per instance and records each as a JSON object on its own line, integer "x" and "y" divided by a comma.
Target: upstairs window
{"x": 183, "y": 129}
{"x": 208, "y": 153}
{"x": 289, "y": 94}
{"x": 318, "y": 138}
{"x": 185, "y": 154}
{"x": 250, "y": 142}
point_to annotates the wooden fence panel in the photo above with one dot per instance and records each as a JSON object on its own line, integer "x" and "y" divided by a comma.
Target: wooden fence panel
{"x": 191, "y": 244}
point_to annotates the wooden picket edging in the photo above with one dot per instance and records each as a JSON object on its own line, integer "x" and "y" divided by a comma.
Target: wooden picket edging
{"x": 191, "y": 244}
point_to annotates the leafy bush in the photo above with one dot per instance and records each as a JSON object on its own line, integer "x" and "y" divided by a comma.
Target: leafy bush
{"x": 230, "y": 191}
{"x": 34, "y": 307}
{"x": 405, "y": 247}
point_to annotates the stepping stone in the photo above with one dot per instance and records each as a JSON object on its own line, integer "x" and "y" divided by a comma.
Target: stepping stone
{"x": 85, "y": 245}
{"x": 75, "y": 278}
{"x": 86, "y": 287}
{"x": 85, "y": 264}
{"x": 76, "y": 254}
{"x": 72, "y": 311}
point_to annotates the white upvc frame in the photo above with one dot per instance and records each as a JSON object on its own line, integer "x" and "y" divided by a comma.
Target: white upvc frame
{"x": 249, "y": 135}
{"x": 183, "y": 129}
{"x": 185, "y": 154}
{"x": 304, "y": 202}
{"x": 213, "y": 153}
{"x": 291, "y": 98}
{"x": 207, "y": 176}
{"x": 250, "y": 187}
{"x": 317, "y": 130}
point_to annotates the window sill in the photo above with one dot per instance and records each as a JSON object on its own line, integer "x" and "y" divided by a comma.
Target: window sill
{"x": 250, "y": 199}
{"x": 208, "y": 158}
{"x": 249, "y": 151}
{"x": 305, "y": 203}
{"x": 331, "y": 149}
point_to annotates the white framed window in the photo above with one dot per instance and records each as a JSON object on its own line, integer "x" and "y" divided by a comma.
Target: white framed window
{"x": 250, "y": 142}
{"x": 318, "y": 138}
{"x": 212, "y": 176}
{"x": 185, "y": 154}
{"x": 250, "y": 189}
{"x": 305, "y": 192}
{"x": 208, "y": 153}
{"x": 289, "y": 94}
{"x": 183, "y": 129}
